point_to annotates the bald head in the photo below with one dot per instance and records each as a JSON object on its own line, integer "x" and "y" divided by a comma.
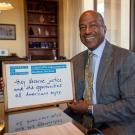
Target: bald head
{"x": 93, "y": 13}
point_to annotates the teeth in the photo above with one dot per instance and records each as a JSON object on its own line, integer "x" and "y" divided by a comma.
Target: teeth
{"x": 90, "y": 38}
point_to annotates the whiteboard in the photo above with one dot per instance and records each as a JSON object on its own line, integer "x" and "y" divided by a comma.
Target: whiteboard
{"x": 33, "y": 84}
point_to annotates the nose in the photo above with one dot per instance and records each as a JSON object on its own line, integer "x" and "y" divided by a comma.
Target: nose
{"x": 88, "y": 30}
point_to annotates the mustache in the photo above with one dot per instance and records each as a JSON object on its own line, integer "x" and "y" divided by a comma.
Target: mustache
{"x": 90, "y": 34}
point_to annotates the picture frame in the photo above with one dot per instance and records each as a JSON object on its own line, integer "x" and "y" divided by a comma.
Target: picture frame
{"x": 7, "y": 32}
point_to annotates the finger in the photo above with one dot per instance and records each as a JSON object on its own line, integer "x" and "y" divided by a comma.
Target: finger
{"x": 69, "y": 104}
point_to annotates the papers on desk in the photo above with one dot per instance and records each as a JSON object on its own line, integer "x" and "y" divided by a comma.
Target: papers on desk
{"x": 65, "y": 129}
{"x": 32, "y": 119}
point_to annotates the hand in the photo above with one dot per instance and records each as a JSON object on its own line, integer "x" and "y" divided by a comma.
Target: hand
{"x": 80, "y": 106}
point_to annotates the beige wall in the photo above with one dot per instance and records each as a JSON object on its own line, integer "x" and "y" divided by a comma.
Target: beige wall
{"x": 15, "y": 16}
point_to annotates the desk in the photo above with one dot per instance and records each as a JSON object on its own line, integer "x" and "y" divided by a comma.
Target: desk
{"x": 54, "y": 116}
{"x": 1, "y": 109}
{"x": 34, "y": 118}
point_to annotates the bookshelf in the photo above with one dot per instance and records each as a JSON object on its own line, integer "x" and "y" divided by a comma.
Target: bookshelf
{"x": 42, "y": 28}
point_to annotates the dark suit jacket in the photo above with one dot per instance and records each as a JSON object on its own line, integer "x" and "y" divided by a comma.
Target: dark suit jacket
{"x": 115, "y": 86}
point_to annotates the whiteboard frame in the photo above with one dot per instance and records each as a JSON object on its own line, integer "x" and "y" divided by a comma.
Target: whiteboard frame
{"x": 6, "y": 98}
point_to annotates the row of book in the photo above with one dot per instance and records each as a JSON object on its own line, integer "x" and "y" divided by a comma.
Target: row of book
{"x": 42, "y": 45}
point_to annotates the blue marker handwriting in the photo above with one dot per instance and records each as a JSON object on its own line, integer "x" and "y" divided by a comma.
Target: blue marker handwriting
{"x": 38, "y": 87}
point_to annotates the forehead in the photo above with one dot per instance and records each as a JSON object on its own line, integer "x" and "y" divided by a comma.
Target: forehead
{"x": 89, "y": 18}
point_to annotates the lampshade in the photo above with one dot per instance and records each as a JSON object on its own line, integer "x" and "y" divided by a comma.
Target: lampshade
{"x": 5, "y": 6}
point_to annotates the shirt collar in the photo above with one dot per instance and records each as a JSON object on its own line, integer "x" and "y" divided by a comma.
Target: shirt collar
{"x": 98, "y": 51}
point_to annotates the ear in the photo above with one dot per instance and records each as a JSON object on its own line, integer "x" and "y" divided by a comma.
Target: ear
{"x": 105, "y": 28}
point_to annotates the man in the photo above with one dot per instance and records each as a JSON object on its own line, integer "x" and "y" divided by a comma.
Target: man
{"x": 113, "y": 89}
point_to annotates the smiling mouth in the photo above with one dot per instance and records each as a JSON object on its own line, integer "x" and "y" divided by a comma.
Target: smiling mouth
{"x": 89, "y": 38}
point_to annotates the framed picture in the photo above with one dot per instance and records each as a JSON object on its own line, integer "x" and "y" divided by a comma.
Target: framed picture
{"x": 7, "y": 32}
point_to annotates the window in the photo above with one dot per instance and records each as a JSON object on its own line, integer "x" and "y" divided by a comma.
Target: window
{"x": 117, "y": 18}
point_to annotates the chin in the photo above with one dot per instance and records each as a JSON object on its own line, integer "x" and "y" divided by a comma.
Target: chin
{"x": 91, "y": 47}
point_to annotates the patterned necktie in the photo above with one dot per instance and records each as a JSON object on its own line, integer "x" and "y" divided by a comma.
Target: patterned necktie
{"x": 89, "y": 79}
{"x": 87, "y": 120}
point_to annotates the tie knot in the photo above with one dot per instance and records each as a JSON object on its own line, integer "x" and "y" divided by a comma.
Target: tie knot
{"x": 91, "y": 53}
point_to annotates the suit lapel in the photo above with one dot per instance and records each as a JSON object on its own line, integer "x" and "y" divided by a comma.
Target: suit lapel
{"x": 105, "y": 62}
{"x": 79, "y": 66}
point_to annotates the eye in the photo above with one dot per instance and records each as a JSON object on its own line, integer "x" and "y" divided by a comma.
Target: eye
{"x": 93, "y": 26}
{"x": 82, "y": 27}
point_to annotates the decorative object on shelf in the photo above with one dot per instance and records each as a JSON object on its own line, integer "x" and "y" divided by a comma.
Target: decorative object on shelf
{"x": 35, "y": 45}
{"x": 39, "y": 31}
{"x": 54, "y": 54}
{"x": 7, "y": 32}
{"x": 54, "y": 44}
{"x": 51, "y": 19}
{"x": 46, "y": 32}
{"x": 41, "y": 19}
{"x": 31, "y": 32}
{"x": 50, "y": 45}
{"x": 42, "y": 45}
{"x": 41, "y": 6}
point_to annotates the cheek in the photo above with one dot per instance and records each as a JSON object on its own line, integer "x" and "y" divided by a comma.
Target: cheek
{"x": 82, "y": 36}
{"x": 101, "y": 32}
{"x": 81, "y": 33}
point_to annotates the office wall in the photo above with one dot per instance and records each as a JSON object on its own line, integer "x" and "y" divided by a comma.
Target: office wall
{"x": 15, "y": 16}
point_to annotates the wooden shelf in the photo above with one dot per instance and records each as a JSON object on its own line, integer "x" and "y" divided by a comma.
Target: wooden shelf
{"x": 42, "y": 36}
{"x": 44, "y": 24}
{"x": 40, "y": 12}
{"x": 49, "y": 49}
{"x": 42, "y": 27}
